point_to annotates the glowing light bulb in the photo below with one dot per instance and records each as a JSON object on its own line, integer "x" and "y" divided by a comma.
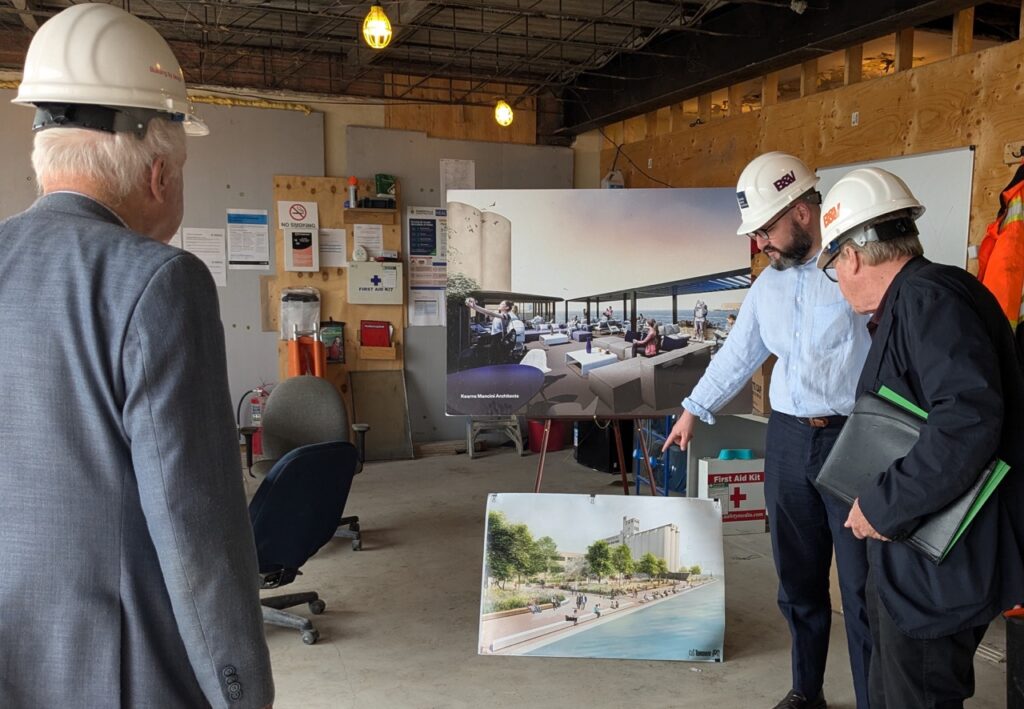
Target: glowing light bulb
{"x": 377, "y": 28}
{"x": 503, "y": 113}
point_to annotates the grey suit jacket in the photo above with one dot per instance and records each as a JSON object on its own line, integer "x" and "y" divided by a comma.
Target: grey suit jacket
{"x": 127, "y": 565}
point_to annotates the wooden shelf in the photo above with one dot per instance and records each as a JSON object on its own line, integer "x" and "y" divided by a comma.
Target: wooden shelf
{"x": 378, "y": 352}
{"x": 359, "y": 215}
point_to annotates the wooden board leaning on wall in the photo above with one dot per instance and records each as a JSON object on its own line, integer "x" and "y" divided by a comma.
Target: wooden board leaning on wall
{"x": 330, "y": 194}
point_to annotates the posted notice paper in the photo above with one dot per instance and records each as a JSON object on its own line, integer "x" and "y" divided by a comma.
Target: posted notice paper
{"x": 208, "y": 245}
{"x": 370, "y": 237}
{"x": 333, "y": 248}
{"x": 248, "y": 239}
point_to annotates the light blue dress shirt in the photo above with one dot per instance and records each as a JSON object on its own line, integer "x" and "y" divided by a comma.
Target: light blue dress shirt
{"x": 800, "y": 316}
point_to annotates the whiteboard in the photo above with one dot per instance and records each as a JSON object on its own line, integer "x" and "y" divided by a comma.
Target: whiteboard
{"x": 941, "y": 181}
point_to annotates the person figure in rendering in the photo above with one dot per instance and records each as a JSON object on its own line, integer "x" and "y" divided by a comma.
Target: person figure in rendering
{"x": 649, "y": 342}
{"x": 129, "y": 570}
{"x": 504, "y": 320}
{"x": 794, "y": 312}
{"x": 927, "y": 620}
{"x": 700, "y": 317}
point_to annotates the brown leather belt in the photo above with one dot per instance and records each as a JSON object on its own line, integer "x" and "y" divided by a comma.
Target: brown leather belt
{"x": 822, "y": 421}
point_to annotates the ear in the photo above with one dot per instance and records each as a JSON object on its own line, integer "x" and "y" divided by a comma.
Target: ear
{"x": 853, "y": 257}
{"x": 804, "y": 213}
{"x": 158, "y": 180}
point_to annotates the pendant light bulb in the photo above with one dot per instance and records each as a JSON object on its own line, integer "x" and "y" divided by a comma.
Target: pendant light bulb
{"x": 503, "y": 113}
{"x": 377, "y": 28}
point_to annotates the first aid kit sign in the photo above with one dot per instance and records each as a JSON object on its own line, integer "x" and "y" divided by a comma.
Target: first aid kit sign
{"x": 739, "y": 486}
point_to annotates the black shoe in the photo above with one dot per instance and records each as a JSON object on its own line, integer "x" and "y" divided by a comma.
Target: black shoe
{"x": 795, "y": 700}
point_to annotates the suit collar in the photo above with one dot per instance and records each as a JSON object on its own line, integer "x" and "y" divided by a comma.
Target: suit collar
{"x": 80, "y": 205}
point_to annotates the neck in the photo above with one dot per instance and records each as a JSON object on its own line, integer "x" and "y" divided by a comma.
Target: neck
{"x": 124, "y": 207}
{"x": 878, "y": 279}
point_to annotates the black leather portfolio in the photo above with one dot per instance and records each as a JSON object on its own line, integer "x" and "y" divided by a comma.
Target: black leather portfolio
{"x": 883, "y": 428}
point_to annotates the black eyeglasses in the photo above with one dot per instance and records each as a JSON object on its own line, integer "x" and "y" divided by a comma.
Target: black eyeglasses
{"x": 765, "y": 231}
{"x": 830, "y": 268}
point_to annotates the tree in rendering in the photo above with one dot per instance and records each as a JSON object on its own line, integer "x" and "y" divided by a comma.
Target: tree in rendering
{"x": 599, "y": 559}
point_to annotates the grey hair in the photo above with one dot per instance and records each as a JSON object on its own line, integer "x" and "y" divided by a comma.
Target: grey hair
{"x": 118, "y": 162}
{"x": 877, "y": 252}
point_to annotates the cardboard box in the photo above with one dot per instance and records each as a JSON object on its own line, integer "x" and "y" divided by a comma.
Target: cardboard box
{"x": 739, "y": 487}
{"x": 758, "y": 263}
{"x": 760, "y": 383}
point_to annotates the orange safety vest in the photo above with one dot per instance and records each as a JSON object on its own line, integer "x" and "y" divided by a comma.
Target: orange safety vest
{"x": 1001, "y": 256}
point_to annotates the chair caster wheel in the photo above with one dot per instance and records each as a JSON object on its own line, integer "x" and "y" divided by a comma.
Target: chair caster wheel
{"x": 310, "y": 636}
{"x": 357, "y": 544}
{"x": 317, "y": 607}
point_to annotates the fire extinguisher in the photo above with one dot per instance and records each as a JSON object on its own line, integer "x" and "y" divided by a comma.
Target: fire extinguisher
{"x": 256, "y": 401}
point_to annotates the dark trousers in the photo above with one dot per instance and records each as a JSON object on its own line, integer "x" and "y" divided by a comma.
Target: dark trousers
{"x": 805, "y": 526}
{"x": 924, "y": 674}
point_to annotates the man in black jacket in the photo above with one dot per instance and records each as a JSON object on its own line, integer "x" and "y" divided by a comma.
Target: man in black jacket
{"x": 940, "y": 340}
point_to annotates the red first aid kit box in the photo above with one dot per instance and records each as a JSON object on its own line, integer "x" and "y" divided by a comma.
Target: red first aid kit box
{"x": 739, "y": 487}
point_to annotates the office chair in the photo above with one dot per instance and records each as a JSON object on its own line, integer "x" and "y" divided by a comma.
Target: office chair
{"x": 295, "y": 512}
{"x": 304, "y": 410}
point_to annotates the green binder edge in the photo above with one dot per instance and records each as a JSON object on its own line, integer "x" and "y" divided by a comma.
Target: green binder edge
{"x": 998, "y": 473}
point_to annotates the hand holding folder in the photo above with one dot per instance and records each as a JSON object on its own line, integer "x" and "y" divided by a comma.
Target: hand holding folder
{"x": 883, "y": 428}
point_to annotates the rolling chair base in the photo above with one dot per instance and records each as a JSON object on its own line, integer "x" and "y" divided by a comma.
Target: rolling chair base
{"x": 274, "y": 613}
{"x": 352, "y": 532}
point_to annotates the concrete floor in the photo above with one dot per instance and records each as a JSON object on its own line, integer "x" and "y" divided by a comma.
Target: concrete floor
{"x": 400, "y": 630}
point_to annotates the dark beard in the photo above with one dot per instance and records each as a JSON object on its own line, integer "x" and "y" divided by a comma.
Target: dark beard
{"x": 797, "y": 253}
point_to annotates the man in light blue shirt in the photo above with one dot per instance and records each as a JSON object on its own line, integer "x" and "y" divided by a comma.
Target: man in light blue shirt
{"x": 794, "y": 312}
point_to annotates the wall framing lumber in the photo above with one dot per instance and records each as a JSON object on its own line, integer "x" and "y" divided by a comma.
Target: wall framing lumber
{"x": 972, "y": 99}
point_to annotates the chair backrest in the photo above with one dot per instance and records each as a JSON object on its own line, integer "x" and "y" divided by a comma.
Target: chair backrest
{"x": 297, "y": 507}
{"x": 536, "y": 358}
{"x": 300, "y": 411}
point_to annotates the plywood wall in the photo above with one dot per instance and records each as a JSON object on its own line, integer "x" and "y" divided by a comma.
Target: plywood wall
{"x": 972, "y": 99}
{"x": 330, "y": 193}
{"x": 472, "y": 120}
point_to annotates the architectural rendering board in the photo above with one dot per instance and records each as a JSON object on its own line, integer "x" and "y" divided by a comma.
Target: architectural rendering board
{"x": 638, "y": 578}
{"x": 547, "y": 251}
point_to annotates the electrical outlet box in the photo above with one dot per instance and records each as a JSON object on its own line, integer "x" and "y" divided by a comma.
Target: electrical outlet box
{"x": 650, "y": 163}
{"x": 855, "y": 118}
{"x": 1013, "y": 152}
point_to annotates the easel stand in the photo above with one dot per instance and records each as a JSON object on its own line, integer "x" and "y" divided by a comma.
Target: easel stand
{"x": 617, "y": 434}
{"x": 507, "y": 425}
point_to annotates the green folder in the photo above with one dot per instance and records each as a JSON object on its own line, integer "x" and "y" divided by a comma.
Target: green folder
{"x": 999, "y": 471}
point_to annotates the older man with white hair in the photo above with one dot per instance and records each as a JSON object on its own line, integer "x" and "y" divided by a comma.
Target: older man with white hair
{"x": 129, "y": 572}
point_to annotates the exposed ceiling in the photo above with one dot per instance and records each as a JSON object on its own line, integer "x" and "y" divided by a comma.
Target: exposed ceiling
{"x": 587, "y": 62}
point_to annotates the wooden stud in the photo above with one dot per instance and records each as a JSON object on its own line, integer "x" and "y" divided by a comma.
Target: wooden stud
{"x": 770, "y": 89}
{"x": 677, "y": 119}
{"x": 704, "y": 108}
{"x": 854, "y": 69}
{"x": 634, "y": 129}
{"x": 963, "y": 31}
{"x": 735, "y": 100}
{"x": 664, "y": 115}
{"x": 651, "y": 121}
{"x": 905, "y": 49}
{"x": 1020, "y": 28}
{"x": 809, "y": 77}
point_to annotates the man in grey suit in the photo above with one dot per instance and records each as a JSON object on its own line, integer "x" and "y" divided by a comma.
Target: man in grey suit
{"x": 127, "y": 566}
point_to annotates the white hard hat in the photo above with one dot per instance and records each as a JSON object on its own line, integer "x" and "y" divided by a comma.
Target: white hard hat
{"x": 860, "y": 201}
{"x": 97, "y": 66}
{"x": 769, "y": 184}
